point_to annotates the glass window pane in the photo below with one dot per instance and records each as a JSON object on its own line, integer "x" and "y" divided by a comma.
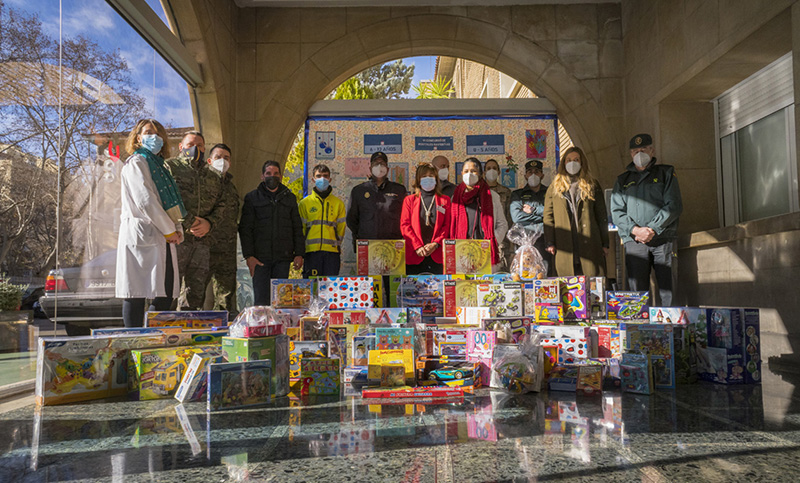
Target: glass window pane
{"x": 763, "y": 168}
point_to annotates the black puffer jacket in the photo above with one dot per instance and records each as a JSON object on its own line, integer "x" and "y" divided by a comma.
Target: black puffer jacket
{"x": 270, "y": 228}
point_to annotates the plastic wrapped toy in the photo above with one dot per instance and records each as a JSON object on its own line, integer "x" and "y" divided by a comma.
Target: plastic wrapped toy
{"x": 518, "y": 369}
{"x": 528, "y": 263}
{"x": 257, "y": 321}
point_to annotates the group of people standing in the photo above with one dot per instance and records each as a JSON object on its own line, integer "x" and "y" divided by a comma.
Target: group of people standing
{"x": 192, "y": 204}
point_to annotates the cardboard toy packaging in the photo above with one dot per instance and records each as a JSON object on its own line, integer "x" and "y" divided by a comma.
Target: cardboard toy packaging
{"x": 590, "y": 380}
{"x": 355, "y": 375}
{"x": 393, "y": 375}
{"x": 275, "y": 349}
{"x": 655, "y": 340}
{"x": 319, "y": 376}
{"x": 684, "y": 340}
{"x": 677, "y": 315}
{"x": 300, "y": 349}
{"x": 129, "y": 331}
{"x": 480, "y": 347}
{"x": 563, "y": 378}
{"x": 394, "y": 338}
{"x": 471, "y": 257}
{"x": 561, "y": 331}
{"x": 570, "y": 351}
{"x": 472, "y": 316}
{"x": 547, "y": 305}
{"x": 636, "y": 373}
{"x": 313, "y": 327}
{"x": 752, "y": 346}
{"x": 190, "y": 320}
{"x": 446, "y": 371}
{"x": 346, "y": 317}
{"x": 377, "y": 358}
{"x": 597, "y": 297}
{"x": 627, "y": 305}
{"x": 459, "y": 293}
{"x": 238, "y": 384}
{"x": 451, "y": 343}
{"x": 346, "y": 292}
{"x": 156, "y": 373}
{"x": 504, "y": 298}
{"x": 574, "y": 297}
{"x": 193, "y": 384}
{"x": 337, "y": 344}
{"x": 422, "y": 291}
{"x": 291, "y": 317}
{"x": 608, "y": 342}
{"x": 728, "y": 348}
{"x": 392, "y": 316}
{"x": 291, "y": 293}
{"x": 508, "y": 329}
{"x": 360, "y": 348}
{"x": 380, "y": 257}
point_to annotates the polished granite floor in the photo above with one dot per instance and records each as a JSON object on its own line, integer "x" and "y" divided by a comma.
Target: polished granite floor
{"x": 701, "y": 432}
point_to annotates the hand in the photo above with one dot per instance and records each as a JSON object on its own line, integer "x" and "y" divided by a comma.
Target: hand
{"x": 200, "y": 227}
{"x": 298, "y": 262}
{"x": 174, "y": 237}
{"x": 643, "y": 234}
{"x": 605, "y": 251}
{"x": 421, "y": 251}
{"x": 252, "y": 263}
{"x": 551, "y": 249}
{"x": 527, "y": 209}
{"x": 430, "y": 248}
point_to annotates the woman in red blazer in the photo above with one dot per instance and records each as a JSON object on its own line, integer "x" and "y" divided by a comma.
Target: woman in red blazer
{"x": 425, "y": 222}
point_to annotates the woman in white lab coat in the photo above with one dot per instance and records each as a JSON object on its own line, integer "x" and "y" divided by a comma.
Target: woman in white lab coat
{"x": 151, "y": 211}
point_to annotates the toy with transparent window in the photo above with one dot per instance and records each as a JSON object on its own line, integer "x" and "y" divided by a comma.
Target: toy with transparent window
{"x": 528, "y": 263}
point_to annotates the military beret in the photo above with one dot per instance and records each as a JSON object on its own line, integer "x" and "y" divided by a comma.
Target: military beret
{"x": 640, "y": 141}
{"x": 534, "y": 164}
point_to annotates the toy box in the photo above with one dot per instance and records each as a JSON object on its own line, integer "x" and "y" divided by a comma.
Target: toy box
{"x": 313, "y": 328}
{"x": 677, "y": 315}
{"x": 516, "y": 371}
{"x": 472, "y": 316}
{"x": 355, "y": 375}
{"x": 574, "y": 298}
{"x": 451, "y": 343}
{"x": 337, "y": 344}
{"x": 393, "y": 316}
{"x": 545, "y": 301}
{"x": 157, "y": 373}
{"x": 346, "y": 317}
{"x": 300, "y": 349}
{"x": 319, "y": 376}
{"x": 238, "y": 384}
{"x": 655, "y": 340}
{"x": 414, "y": 393}
{"x": 563, "y": 378}
{"x": 377, "y": 358}
{"x": 291, "y": 317}
{"x": 291, "y": 293}
{"x": 504, "y": 298}
{"x": 728, "y": 348}
{"x": 346, "y": 292}
{"x": 422, "y": 291}
{"x": 447, "y": 371}
{"x": 380, "y": 257}
{"x": 193, "y": 385}
{"x": 459, "y": 293}
{"x": 597, "y": 297}
{"x": 361, "y": 346}
{"x": 394, "y": 338}
{"x": 189, "y": 320}
{"x": 480, "y": 347}
{"x": 570, "y": 351}
{"x": 561, "y": 331}
{"x": 636, "y": 373}
{"x": 274, "y": 348}
{"x": 684, "y": 340}
{"x": 130, "y": 331}
{"x": 608, "y": 341}
{"x": 508, "y": 329}
{"x": 393, "y": 375}
{"x": 752, "y": 346}
{"x": 590, "y": 380}
{"x": 467, "y": 257}
{"x": 627, "y": 305}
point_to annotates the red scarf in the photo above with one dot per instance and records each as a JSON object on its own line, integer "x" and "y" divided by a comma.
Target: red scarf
{"x": 460, "y": 222}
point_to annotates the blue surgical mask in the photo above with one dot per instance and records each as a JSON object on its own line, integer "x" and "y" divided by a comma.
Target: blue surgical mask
{"x": 427, "y": 183}
{"x": 152, "y": 142}
{"x": 321, "y": 183}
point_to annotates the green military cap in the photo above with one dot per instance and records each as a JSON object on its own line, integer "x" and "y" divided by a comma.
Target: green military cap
{"x": 640, "y": 141}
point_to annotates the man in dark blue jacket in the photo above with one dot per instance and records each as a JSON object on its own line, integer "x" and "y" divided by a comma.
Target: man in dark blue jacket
{"x": 645, "y": 206}
{"x": 527, "y": 205}
{"x": 271, "y": 232}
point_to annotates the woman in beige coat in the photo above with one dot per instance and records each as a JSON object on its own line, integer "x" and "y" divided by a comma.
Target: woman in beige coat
{"x": 575, "y": 219}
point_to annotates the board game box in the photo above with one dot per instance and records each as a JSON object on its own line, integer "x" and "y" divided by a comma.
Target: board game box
{"x": 380, "y": 257}
{"x": 234, "y": 385}
{"x": 291, "y": 293}
{"x": 546, "y": 301}
{"x": 394, "y": 338}
{"x": 636, "y": 373}
{"x": 319, "y": 376}
{"x": 346, "y": 292}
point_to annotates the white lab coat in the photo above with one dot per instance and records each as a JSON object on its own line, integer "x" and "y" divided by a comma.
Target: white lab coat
{"x": 500, "y": 225}
{"x": 142, "y": 248}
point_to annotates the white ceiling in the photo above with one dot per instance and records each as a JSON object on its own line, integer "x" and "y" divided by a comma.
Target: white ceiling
{"x": 406, "y": 3}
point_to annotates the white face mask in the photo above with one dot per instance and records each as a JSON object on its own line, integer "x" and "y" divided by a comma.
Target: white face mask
{"x": 428, "y": 183}
{"x": 379, "y": 171}
{"x": 534, "y": 180}
{"x": 573, "y": 167}
{"x": 444, "y": 173}
{"x": 641, "y": 159}
{"x": 471, "y": 179}
{"x": 220, "y": 164}
{"x": 492, "y": 175}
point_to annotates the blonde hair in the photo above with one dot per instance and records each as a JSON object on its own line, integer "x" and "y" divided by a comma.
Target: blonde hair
{"x": 562, "y": 180}
{"x": 132, "y": 143}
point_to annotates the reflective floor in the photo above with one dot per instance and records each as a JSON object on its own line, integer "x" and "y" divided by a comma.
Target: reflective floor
{"x": 700, "y": 432}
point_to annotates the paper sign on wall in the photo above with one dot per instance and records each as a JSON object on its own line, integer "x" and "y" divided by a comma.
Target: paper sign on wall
{"x": 486, "y": 144}
{"x": 326, "y": 144}
{"x": 387, "y": 143}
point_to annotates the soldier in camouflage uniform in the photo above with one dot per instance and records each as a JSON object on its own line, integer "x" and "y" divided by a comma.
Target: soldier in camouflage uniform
{"x": 201, "y": 190}
{"x": 222, "y": 239}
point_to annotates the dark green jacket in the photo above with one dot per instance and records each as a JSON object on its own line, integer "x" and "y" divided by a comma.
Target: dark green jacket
{"x": 223, "y": 236}
{"x": 201, "y": 190}
{"x": 648, "y": 198}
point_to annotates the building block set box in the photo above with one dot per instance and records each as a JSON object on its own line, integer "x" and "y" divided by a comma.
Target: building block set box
{"x": 189, "y": 320}
{"x": 380, "y": 257}
{"x": 293, "y": 293}
{"x": 275, "y": 349}
{"x": 504, "y": 298}
{"x": 627, "y": 305}
{"x": 319, "y": 376}
{"x": 468, "y": 257}
{"x": 346, "y": 292}
{"x": 238, "y": 384}
{"x": 459, "y": 294}
{"x": 423, "y": 291}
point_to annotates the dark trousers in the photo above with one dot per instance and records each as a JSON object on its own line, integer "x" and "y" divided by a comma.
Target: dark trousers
{"x": 321, "y": 264}
{"x": 262, "y": 288}
{"x": 641, "y": 258}
{"x": 133, "y": 309}
{"x": 425, "y": 266}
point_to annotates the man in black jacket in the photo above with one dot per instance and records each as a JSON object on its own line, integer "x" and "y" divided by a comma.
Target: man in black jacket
{"x": 271, "y": 232}
{"x": 375, "y": 205}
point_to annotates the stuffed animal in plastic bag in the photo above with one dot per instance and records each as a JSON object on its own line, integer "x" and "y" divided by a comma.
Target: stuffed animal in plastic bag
{"x": 528, "y": 263}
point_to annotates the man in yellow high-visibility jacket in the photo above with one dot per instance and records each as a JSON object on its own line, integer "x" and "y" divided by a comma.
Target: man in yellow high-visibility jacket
{"x": 323, "y": 217}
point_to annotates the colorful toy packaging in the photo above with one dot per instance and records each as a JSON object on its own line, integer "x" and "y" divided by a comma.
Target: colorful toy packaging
{"x": 422, "y": 291}
{"x": 547, "y": 305}
{"x": 608, "y": 341}
{"x": 627, "y": 305}
{"x": 120, "y": 331}
{"x": 472, "y": 316}
{"x": 447, "y": 371}
{"x": 570, "y": 351}
{"x": 459, "y": 293}
{"x": 275, "y": 349}
{"x": 684, "y": 340}
{"x": 574, "y": 297}
{"x": 447, "y": 393}
{"x": 319, "y": 376}
{"x": 590, "y": 380}
{"x": 156, "y": 373}
{"x": 346, "y": 317}
{"x": 377, "y": 358}
{"x": 636, "y": 372}
{"x": 504, "y": 298}
{"x": 563, "y": 331}
{"x": 189, "y": 320}
{"x": 393, "y": 375}
{"x": 451, "y": 343}
{"x": 193, "y": 385}
{"x": 752, "y": 346}
{"x": 597, "y": 297}
{"x": 346, "y": 292}
{"x": 257, "y": 321}
{"x": 677, "y": 315}
{"x": 393, "y": 316}
{"x": 290, "y": 317}
{"x": 656, "y": 341}
{"x": 300, "y": 349}
{"x": 361, "y": 346}
{"x": 471, "y": 257}
{"x": 238, "y": 384}
{"x": 480, "y": 347}
{"x": 728, "y": 347}
{"x": 518, "y": 368}
{"x": 291, "y": 293}
{"x": 337, "y": 344}
{"x": 508, "y": 329}
{"x": 380, "y": 257}
{"x": 313, "y": 327}
{"x": 394, "y": 338}
{"x": 563, "y": 378}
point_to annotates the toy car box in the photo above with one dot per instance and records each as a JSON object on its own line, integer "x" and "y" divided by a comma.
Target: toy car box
{"x": 157, "y": 373}
{"x": 471, "y": 257}
{"x": 275, "y": 349}
{"x": 346, "y": 292}
{"x": 446, "y": 371}
{"x": 451, "y": 343}
{"x": 504, "y": 298}
{"x": 190, "y": 320}
{"x": 380, "y": 257}
{"x": 291, "y": 293}
{"x": 574, "y": 297}
{"x": 238, "y": 384}
{"x": 627, "y": 305}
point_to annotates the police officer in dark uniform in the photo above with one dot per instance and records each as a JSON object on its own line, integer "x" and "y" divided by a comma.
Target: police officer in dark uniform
{"x": 375, "y": 205}
{"x": 645, "y": 206}
{"x": 527, "y": 205}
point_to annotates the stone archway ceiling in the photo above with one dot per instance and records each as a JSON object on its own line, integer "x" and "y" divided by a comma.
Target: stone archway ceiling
{"x": 406, "y": 3}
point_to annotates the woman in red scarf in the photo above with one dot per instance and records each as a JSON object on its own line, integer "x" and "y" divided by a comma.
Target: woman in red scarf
{"x": 477, "y": 210}
{"x": 425, "y": 223}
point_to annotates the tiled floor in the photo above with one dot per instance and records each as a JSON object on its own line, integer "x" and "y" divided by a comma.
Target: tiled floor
{"x": 700, "y": 432}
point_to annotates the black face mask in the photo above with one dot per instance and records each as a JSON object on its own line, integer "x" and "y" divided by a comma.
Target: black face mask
{"x": 272, "y": 182}
{"x": 193, "y": 153}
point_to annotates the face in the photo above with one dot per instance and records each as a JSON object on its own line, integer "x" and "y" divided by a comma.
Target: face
{"x": 441, "y": 162}
{"x": 319, "y": 175}
{"x": 471, "y": 168}
{"x": 378, "y": 162}
{"x": 271, "y": 171}
{"x": 644, "y": 149}
{"x": 146, "y": 129}
{"x": 492, "y": 165}
{"x": 538, "y": 172}
{"x": 219, "y": 153}
{"x": 193, "y": 140}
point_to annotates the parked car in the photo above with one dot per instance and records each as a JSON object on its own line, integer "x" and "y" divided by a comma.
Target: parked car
{"x": 86, "y": 295}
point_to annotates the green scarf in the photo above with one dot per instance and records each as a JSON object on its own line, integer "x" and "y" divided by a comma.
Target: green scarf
{"x": 165, "y": 184}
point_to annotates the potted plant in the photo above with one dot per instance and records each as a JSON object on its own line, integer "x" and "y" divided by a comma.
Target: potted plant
{"x": 10, "y": 294}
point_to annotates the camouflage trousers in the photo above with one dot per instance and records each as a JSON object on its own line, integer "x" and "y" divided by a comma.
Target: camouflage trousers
{"x": 222, "y": 276}
{"x": 193, "y": 267}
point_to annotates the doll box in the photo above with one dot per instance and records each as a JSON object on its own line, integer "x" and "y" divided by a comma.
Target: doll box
{"x": 471, "y": 257}
{"x": 380, "y": 257}
{"x": 238, "y": 384}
